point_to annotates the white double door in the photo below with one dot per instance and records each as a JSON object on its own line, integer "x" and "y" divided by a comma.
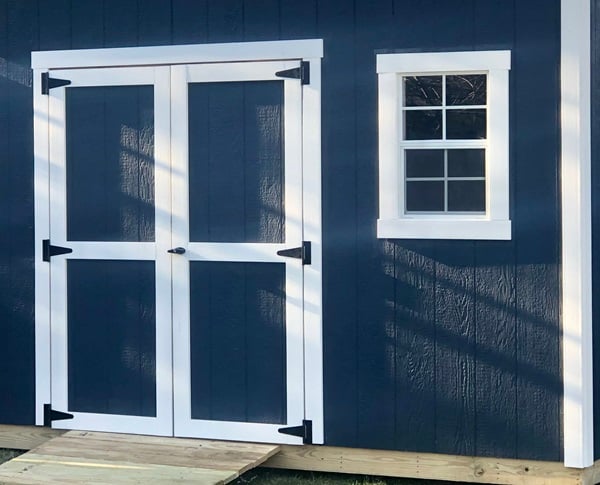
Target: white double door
{"x": 175, "y": 187}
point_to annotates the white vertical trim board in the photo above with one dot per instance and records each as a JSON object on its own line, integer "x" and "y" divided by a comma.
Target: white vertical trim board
{"x": 313, "y": 292}
{"x": 42, "y": 231}
{"x": 576, "y": 233}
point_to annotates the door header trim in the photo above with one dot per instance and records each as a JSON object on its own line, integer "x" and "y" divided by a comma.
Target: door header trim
{"x": 178, "y": 54}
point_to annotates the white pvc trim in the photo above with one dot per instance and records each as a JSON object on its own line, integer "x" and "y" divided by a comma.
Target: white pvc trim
{"x": 42, "y": 231}
{"x": 442, "y": 62}
{"x": 578, "y": 426}
{"x": 313, "y": 284}
{"x": 452, "y": 228}
{"x": 178, "y": 54}
{"x": 310, "y": 191}
{"x": 394, "y": 222}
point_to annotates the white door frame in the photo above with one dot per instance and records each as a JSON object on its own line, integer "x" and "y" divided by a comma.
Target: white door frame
{"x": 307, "y": 50}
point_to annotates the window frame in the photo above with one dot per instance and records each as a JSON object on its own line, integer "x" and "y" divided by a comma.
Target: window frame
{"x": 394, "y": 222}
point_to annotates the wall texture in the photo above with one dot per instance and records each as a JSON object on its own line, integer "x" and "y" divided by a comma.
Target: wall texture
{"x": 450, "y": 347}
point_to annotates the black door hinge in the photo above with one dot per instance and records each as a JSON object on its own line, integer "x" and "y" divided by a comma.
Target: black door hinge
{"x": 302, "y": 72}
{"x": 302, "y": 252}
{"x": 49, "y": 83}
{"x": 48, "y": 250}
{"x": 304, "y": 431}
{"x": 52, "y": 415}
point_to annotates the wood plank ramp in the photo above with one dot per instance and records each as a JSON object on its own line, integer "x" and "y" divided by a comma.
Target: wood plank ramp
{"x": 82, "y": 457}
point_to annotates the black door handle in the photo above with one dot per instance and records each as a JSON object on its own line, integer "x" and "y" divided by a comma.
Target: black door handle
{"x": 177, "y": 250}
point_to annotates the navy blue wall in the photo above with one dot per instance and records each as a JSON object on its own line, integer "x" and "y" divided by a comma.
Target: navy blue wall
{"x": 440, "y": 346}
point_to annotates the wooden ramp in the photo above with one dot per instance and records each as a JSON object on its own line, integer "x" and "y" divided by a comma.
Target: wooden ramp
{"x": 81, "y": 457}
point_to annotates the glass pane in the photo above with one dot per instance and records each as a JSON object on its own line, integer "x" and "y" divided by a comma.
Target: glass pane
{"x": 466, "y": 90}
{"x": 424, "y": 163}
{"x": 466, "y": 124}
{"x": 423, "y": 125}
{"x": 466, "y": 163}
{"x": 111, "y": 337}
{"x": 423, "y": 91}
{"x": 110, "y": 163}
{"x": 425, "y": 196}
{"x": 238, "y": 353}
{"x": 236, "y": 162}
{"x": 466, "y": 196}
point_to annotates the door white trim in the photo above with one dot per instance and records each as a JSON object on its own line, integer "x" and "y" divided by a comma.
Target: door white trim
{"x": 313, "y": 273}
{"x": 42, "y": 231}
{"x": 179, "y": 54}
{"x": 310, "y": 50}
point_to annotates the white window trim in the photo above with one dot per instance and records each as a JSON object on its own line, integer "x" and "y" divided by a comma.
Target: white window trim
{"x": 310, "y": 50}
{"x": 393, "y": 222}
{"x": 578, "y": 416}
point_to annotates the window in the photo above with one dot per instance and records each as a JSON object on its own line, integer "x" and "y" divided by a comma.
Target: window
{"x": 443, "y": 145}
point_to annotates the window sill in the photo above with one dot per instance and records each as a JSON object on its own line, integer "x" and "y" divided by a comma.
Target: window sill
{"x": 476, "y": 229}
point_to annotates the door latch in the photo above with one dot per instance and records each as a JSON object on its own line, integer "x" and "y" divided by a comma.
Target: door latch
{"x": 177, "y": 250}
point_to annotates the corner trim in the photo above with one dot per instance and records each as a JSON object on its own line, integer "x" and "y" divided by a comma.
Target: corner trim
{"x": 578, "y": 418}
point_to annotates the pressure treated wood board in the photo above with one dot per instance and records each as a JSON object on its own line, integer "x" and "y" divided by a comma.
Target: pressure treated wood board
{"x": 79, "y": 457}
{"x": 429, "y": 466}
{"x": 25, "y": 437}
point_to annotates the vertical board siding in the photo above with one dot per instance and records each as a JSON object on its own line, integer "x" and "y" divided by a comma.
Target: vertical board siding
{"x": 236, "y": 162}
{"x": 110, "y": 158}
{"x": 16, "y": 205}
{"x": 595, "y": 54}
{"x": 415, "y": 306}
{"x": 226, "y": 21}
{"x": 450, "y": 347}
{"x": 121, "y": 24}
{"x": 338, "y": 114}
{"x": 238, "y": 341}
{"x": 87, "y": 24}
{"x": 154, "y": 22}
{"x": 298, "y": 20}
{"x": 495, "y": 350}
{"x": 189, "y": 21}
{"x": 454, "y": 348}
{"x": 375, "y": 258}
{"x": 536, "y": 228}
{"x": 261, "y": 20}
{"x": 112, "y": 337}
{"x": 495, "y": 287}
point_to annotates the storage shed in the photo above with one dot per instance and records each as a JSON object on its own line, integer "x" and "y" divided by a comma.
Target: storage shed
{"x": 365, "y": 224}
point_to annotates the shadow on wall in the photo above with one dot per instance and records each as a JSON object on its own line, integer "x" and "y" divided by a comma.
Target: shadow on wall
{"x": 471, "y": 349}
